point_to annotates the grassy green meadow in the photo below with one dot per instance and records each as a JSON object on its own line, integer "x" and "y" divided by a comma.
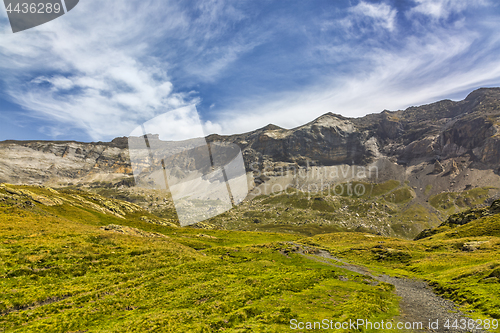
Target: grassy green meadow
{"x": 75, "y": 261}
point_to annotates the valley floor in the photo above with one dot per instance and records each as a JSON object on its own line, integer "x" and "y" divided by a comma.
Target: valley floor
{"x": 74, "y": 261}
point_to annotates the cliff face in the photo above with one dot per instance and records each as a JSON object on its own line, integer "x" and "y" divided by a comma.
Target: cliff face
{"x": 466, "y": 131}
{"x": 437, "y": 131}
{"x": 54, "y": 163}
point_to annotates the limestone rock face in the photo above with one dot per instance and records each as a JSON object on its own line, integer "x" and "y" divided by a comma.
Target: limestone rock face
{"x": 438, "y": 167}
{"x": 467, "y": 132}
{"x": 454, "y": 170}
{"x": 439, "y": 131}
{"x": 45, "y": 162}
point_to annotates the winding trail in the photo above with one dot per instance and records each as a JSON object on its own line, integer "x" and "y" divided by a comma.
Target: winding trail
{"x": 418, "y": 302}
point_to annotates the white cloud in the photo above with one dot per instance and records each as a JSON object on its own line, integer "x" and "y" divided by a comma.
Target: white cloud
{"x": 380, "y": 15}
{"x": 441, "y": 9}
{"x": 101, "y": 51}
{"x": 95, "y": 68}
{"x": 102, "y": 57}
{"x": 435, "y": 66}
{"x": 176, "y": 125}
{"x": 211, "y": 128}
{"x": 58, "y": 82}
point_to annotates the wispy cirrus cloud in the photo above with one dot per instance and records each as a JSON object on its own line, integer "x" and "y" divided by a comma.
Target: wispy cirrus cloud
{"x": 442, "y": 9}
{"x": 375, "y": 15}
{"x": 98, "y": 68}
{"x": 106, "y": 67}
{"x": 99, "y": 79}
{"x": 407, "y": 68}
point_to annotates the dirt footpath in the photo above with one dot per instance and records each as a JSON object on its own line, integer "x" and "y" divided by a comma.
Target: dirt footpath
{"x": 418, "y": 302}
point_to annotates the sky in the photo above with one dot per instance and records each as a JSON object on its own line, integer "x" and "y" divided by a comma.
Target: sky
{"x": 106, "y": 67}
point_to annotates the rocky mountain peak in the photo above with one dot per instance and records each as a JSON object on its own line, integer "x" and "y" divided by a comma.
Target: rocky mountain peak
{"x": 483, "y": 93}
{"x": 331, "y": 120}
{"x": 271, "y": 127}
{"x": 464, "y": 131}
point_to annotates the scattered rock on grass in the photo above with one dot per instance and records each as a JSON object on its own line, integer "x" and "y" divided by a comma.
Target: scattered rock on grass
{"x": 132, "y": 231}
{"x": 472, "y": 246}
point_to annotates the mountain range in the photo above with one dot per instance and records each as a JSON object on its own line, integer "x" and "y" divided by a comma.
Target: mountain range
{"x": 444, "y": 156}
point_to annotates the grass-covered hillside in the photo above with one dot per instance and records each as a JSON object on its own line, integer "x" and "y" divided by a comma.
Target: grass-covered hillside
{"x": 75, "y": 261}
{"x": 391, "y": 208}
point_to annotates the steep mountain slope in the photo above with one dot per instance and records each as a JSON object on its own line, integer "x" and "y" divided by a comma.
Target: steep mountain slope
{"x": 480, "y": 222}
{"x": 443, "y": 156}
{"x": 63, "y": 162}
{"x": 437, "y": 131}
{"x": 466, "y": 131}
{"x": 73, "y": 261}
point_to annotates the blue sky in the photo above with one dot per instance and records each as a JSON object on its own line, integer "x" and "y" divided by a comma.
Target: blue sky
{"x": 107, "y": 66}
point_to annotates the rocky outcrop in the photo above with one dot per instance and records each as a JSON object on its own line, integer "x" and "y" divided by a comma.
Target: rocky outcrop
{"x": 454, "y": 170}
{"x": 472, "y": 246}
{"x": 438, "y": 168}
{"x": 62, "y": 162}
{"x": 463, "y": 133}
{"x": 132, "y": 231}
{"x": 28, "y": 195}
{"x": 438, "y": 131}
{"x": 462, "y": 218}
